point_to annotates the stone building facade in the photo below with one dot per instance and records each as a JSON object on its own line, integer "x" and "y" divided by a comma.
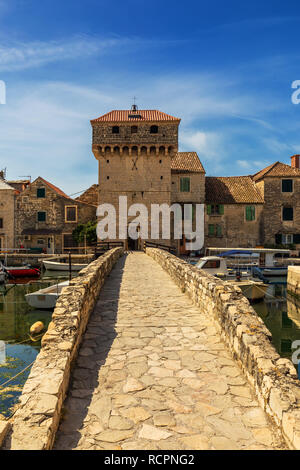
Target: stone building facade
{"x": 137, "y": 152}
{"x": 279, "y": 185}
{"x": 7, "y": 215}
{"x": 46, "y": 217}
{"x": 234, "y": 212}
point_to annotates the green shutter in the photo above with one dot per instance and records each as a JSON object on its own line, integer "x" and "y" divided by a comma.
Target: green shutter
{"x": 219, "y": 230}
{"x": 211, "y": 230}
{"x": 253, "y": 212}
{"x": 221, "y": 209}
{"x": 185, "y": 185}
{"x": 248, "y": 212}
{"x": 208, "y": 209}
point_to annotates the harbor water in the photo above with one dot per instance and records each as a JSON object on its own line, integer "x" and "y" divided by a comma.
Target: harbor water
{"x": 19, "y": 348}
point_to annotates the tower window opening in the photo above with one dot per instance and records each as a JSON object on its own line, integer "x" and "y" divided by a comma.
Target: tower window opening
{"x": 115, "y": 130}
{"x": 153, "y": 129}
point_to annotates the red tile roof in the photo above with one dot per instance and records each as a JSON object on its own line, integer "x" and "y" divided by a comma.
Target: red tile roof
{"x": 55, "y": 188}
{"x": 231, "y": 190}
{"x": 276, "y": 169}
{"x": 187, "y": 162}
{"x": 140, "y": 115}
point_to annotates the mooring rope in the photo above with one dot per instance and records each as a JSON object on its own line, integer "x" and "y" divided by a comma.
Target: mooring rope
{"x": 17, "y": 375}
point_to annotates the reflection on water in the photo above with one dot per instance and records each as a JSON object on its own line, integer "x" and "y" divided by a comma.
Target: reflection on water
{"x": 282, "y": 317}
{"x": 16, "y": 318}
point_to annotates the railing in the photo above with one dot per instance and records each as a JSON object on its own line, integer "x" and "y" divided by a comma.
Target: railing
{"x": 100, "y": 247}
{"x": 170, "y": 249}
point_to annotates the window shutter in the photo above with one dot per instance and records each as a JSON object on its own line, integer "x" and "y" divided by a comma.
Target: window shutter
{"x": 211, "y": 229}
{"x": 219, "y": 230}
{"x": 248, "y": 213}
{"x": 208, "y": 209}
{"x": 278, "y": 239}
{"x": 252, "y": 212}
{"x": 221, "y": 209}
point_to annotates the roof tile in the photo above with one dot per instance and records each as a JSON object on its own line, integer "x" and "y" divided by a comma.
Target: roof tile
{"x": 187, "y": 162}
{"x": 231, "y": 190}
{"x": 276, "y": 169}
{"x": 140, "y": 115}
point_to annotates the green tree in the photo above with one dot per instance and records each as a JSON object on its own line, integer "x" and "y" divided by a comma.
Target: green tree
{"x": 88, "y": 230}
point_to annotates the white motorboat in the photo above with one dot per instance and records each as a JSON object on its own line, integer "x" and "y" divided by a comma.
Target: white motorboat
{"x": 218, "y": 267}
{"x": 251, "y": 288}
{"x": 57, "y": 266}
{"x": 46, "y": 298}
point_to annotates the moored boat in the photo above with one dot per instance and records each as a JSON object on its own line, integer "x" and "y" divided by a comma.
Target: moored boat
{"x": 57, "y": 266}
{"x": 46, "y": 298}
{"x": 21, "y": 271}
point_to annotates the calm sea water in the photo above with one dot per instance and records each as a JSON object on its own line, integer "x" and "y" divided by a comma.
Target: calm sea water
{"x": 16, "y": 318}
{"x": 281, "y": 314}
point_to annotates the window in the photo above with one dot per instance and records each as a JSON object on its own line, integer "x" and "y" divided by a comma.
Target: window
{"x": 1, "y": 223}
{"x": 215, "y": 209}
{"x": 287, "y": 213}
{"x": 212, "y": 264}
{"x": 287, "y": 186}
{"x": 287, "y": 239}
{"x": 153, "y": 129}
{"x": 41, "y": 216}
{"x": 215, "y": 230}
{"x": 115, "y": 130}
{"x": 71, "y": 213}
{"x": 134, "y": 129}
{"x": 68, "y": 241}
{"x": 40, "y": 192}
{"x": 185, "y": 186}
{"x": 40, "y": 241}
{"x": 250, "y": 213}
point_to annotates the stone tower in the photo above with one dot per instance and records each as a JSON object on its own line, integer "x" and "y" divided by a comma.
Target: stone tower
{"x": 135, "y": 149}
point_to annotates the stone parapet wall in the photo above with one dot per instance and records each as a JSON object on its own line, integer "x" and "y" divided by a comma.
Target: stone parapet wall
{"x": 293, "y": 281}
{"x": 273, "y": 378}
{"x": 36, "y": 421}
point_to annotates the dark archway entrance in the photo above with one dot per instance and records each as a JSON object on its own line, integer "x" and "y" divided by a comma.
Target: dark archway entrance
{"x": 132, "y": 245}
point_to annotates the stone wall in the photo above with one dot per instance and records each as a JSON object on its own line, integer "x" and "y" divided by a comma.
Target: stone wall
{"x": 275, "y": 200}
{"x": 293, "y": 281}
{"x": 36, "y": 420}
{"x": 55, "y": 226}
{"x": 236, "y": 230}
{"x": 273, "y": 378}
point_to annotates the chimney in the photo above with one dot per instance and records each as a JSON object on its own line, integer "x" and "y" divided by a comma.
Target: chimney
{"x": 295, "y": 160}
{"x": 2, "y": 174}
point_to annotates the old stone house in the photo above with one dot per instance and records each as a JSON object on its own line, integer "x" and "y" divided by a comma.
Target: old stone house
{"x": 279, "y": 185}
{"x": 137, "y": 152}
{"x": 7, "y": 215}
{"x": 234, "y": 208}
{"x": 46, "y": 217}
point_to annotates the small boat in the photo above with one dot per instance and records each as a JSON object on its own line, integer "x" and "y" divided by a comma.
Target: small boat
{"x": 46, "y": 298}
{"x": 252, "y": 289}
{"x": 21, "y": 271}
{"x": 218, "y": 267}
{"x": 57, "y": 266}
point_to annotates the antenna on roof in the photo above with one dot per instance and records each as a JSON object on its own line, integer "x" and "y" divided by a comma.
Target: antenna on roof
{"x": 26, "y": 176}
{"x": 134, "y": 107}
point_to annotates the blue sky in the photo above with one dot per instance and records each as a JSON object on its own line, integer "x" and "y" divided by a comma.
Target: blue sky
{"x": 224, "y": 68}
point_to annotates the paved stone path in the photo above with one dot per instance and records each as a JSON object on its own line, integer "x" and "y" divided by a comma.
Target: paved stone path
{"x": 152, "y": 373}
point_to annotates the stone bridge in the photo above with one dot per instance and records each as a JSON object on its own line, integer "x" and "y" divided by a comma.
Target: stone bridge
{"x": 153, "y": 370}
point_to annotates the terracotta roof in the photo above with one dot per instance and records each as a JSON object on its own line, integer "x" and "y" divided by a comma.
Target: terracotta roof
{"x": 187, "y": 161}
{"x": 134, "y": 116}
{"x": 231, "y": 190}
{"x": 276, "y": 169}
{"x": 55, "y": 188}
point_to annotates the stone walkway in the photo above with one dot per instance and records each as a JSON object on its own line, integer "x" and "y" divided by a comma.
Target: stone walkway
{"x": 152, "y": 373}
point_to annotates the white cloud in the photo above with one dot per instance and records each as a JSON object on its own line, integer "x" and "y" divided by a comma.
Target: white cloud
{"x": 22, "y": 55}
